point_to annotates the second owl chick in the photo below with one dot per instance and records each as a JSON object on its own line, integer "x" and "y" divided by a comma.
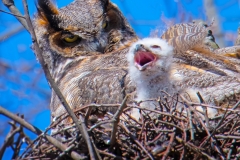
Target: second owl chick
{"x": 149, "y": 64}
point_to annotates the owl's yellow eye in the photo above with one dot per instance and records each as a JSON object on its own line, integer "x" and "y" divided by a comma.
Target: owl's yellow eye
{"x": 104, "y": 25}
{"x": 71, "y": 38}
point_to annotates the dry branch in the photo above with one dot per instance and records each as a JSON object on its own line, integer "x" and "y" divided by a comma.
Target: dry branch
{"x": 13, "y": 9}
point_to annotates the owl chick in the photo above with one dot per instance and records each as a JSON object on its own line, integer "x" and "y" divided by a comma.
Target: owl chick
{"x": 149, "y": 65}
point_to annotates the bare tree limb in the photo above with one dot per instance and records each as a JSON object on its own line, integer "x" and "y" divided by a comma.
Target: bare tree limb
{"x": 37, "y": 131}
{"x": 11, "y": 33}
{"x": 12, "y": 14}
{"x": 10, "y": 5}
{"x": 20, "y": 121}
{"x": 9, "y": 140}
{"x": 116, "y": 120}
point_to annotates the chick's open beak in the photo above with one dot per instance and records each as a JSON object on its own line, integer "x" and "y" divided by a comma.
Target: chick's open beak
{"x": 143, "y": 58}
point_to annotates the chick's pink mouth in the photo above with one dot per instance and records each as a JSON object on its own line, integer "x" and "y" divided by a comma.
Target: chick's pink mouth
{"x": 143, "y": 59}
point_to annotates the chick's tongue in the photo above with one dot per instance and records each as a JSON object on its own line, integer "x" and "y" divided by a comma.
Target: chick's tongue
{"x": 143, "y": 57}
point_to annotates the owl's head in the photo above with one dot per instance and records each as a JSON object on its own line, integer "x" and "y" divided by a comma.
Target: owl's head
{"x": 79, "y": 29}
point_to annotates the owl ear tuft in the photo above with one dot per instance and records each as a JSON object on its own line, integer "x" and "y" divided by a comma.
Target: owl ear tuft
{"x": 105, "y": 4}
{"x": 47, "y": 11}
{"x": 94, "y": 1}
{"x": 47, "y": 7}
{"x": 42, "y": 20}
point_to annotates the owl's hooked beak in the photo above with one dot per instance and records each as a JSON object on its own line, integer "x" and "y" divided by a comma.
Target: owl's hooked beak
{"x": 143, "y": 58}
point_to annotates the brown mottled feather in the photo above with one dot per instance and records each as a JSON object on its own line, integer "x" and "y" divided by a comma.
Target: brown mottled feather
{"x": 213, "y": 71}
{"x": 102, "y": 80}
{"x": 183, "y": 29}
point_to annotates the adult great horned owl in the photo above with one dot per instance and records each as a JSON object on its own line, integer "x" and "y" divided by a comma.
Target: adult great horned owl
{"x": 77, "y": 43}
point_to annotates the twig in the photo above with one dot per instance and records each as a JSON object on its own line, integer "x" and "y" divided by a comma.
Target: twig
{"x": 10, "y": 33}
{"x": 227, "y": 137}
{"x": 97, "y": 152}
{"x": 30, "y": 145}
{"x": 63, "y": 148}
{"x": 10, "y": 5}
{"x": 135, "y": 140}
{"x": 210, "y": 106}
{"x": 204, "y": 109}
{"x": 65, "y": 115}
{"x": 185, "y": 139}
{"x": 210, "y": 137}
{"x": 91, "y": 150}
{"x": 158, "y": 112}
{"x": 9, "y": 140}
{"x": 169, "y": 146}
{"x": 224, "y": 125}
{"x": 17, "y": 145}
{"x": 20, "y": 121}
{"x": 88, "y": 114}
{"x": 230, "y": 110}
{"x": 116, "y": 120}
{"x": 219, "y": 123}
{"x": 142, "y": 128}
{"x": 193, "y": 148}
{"x": 110, "y": 155}
{"x": 170, "y": 124}
{"x": 12, "y": 14}
{"x": 230, "y": 132}
{"x": 70, "y": 147}
{"x": 190, "y": 123}
{"x": 99, "y": 124}
{"x": 231, "y": 149}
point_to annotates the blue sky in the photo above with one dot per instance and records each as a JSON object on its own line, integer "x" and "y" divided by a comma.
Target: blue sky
{"x": 23, "y": 88}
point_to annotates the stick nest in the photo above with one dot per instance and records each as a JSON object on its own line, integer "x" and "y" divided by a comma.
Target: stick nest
{"x": 163, "y": 133}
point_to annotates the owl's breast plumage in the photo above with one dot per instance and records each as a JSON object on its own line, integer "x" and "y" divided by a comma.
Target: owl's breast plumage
{"x": 98, "y": 79}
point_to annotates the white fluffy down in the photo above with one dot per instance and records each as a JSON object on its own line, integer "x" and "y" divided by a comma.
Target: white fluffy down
{"x": 142, "y": 79}
{"x": 149, "y": 81}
